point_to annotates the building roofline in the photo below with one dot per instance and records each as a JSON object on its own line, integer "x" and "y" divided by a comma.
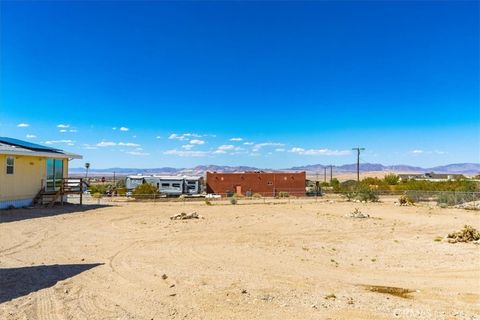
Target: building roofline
{"x": 12, "y": 146}
{"x": 63, "y": 155}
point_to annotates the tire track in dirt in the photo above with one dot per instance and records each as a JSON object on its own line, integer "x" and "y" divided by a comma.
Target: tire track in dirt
{"x": 94, "y": 307}
{"x": 47, "y": 306}
{"x": 26, "y": 240}
{"x": 31, "y": 245}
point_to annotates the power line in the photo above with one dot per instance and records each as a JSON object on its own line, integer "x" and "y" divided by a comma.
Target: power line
{"x": 358, "y": 162}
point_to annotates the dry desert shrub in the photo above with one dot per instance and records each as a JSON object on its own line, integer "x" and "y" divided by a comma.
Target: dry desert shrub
{"x": 467, "y": 234}
{"x": 405, "y": 200}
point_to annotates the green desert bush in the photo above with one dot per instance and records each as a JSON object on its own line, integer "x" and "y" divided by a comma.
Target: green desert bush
{"x": 99, "y": 188}
{"x": 233, "y": 200}
{"x": 391, "y": 179}
{"x": 350, "y": 195}
{"x": 283, "y": 194}
{"x": 365, "y": 194}
{"x": 121, "y": 191}
{"x": 97, "y": 195}
{"x": 361, "y": 193}
{"x": 145, "y": 191}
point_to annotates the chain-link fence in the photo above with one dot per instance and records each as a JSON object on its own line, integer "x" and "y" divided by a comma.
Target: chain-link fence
{"x": 468, "y": 200}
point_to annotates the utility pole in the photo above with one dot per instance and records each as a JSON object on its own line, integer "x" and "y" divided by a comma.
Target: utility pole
{"x": 325, "y": 174}
{"x": 358, "y": 162}
{"x": 331, "y": 174}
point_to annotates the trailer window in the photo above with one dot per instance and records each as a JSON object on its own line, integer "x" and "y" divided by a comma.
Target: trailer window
{"x": 166, "y": 185}
{"x": 10, "y": 165}
{"x": 176, "y": 185}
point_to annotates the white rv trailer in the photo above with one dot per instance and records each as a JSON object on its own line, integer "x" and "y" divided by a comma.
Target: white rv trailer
{"x": 193, "y": 185}
{"x": 131, "y": 182}
{"x": 168, "y": 185}
{"x": 171, "y": 185}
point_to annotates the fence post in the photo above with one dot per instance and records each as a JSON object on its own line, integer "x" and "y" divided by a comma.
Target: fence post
{"x": 81, "y": 190}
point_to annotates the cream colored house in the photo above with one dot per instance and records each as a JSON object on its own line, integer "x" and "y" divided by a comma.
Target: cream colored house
{"x": 28, "y": 168}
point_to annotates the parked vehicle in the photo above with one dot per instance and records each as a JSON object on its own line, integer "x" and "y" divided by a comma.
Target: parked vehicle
{"x": 131, "y": 182}
{"x": 168, "y": 185}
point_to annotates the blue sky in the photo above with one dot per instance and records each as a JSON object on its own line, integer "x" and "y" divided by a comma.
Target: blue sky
{"x": 267, "y": 84}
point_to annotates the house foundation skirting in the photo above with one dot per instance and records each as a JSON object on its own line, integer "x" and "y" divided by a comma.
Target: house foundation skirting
{"x": 4, "y": 204}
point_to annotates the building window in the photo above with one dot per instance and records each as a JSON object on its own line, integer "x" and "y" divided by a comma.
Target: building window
{"x": 270, "y": 183}
{"x": 10, "y": 165}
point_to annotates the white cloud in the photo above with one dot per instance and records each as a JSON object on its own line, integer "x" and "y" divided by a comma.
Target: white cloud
{"x": 186, "y": 153}
{"x": 128, "y": 144}
{"x": 158, "y": 137}
{"x": 137, "y": 153}
{"x": 259, "y": 146}
{"x": 106, "y": 144}
{"x": 280, "y": 150}
{"x": 89, "y": 147}
{"x": 319, "y": 152}
{"x": 174, "y": 136}
{"x": 187, "y": 146}
{"x": 236, "y": 139}
{"x": 31, "y": 136}
{"x": 184, "y": 136}
{"x": 114, "y": 128}
{"x": 226, "y": 147}
{"x": 113, "y": 144}
{"x": 73, "y": 130}
{"x": 67, "y": 142}
{"x": 197, "y": 141}
{"x": 63, "y": 130}
{"x": 124, "y": 129}
{"x": 63, "y": 126}
{"x": 248, "y": 143}
{"x": 419, "y": 152}
{"x": 23, "y": 125}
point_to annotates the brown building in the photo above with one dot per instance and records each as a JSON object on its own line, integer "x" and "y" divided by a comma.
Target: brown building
{"x": 264, "y": 183}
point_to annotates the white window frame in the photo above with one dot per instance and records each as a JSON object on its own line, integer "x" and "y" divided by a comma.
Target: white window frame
{"x": 7, "y": 165}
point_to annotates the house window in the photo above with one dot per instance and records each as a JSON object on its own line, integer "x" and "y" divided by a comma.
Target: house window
{"x": 270, "y": 183}
{"x": 10, "y": 165}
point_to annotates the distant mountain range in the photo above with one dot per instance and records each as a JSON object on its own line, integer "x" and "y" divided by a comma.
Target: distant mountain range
{"x": 463, "y": 168}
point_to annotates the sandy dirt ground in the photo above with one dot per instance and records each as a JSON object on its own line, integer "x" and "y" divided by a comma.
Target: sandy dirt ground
{"x": 297, "y": 260}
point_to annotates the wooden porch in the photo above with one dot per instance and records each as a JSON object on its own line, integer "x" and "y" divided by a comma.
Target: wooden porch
{"x": 68, "y": 186}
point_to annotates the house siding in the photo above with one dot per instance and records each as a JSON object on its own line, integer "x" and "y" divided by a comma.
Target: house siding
{"x": 19, "y": 189}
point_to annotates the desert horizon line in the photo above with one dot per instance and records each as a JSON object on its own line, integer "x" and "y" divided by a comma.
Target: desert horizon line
{"x": 286, "y": 168}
